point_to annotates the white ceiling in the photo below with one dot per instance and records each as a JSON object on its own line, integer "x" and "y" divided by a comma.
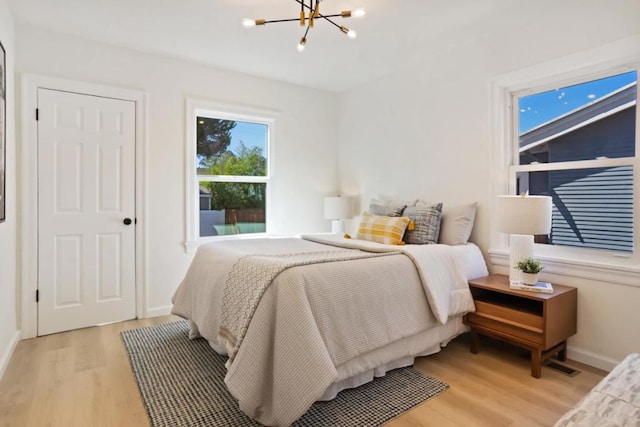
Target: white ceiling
{"x": 210, "y": 32}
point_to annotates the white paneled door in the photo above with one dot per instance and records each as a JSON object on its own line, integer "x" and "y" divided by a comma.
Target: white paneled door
{"x": 86, "y": 210}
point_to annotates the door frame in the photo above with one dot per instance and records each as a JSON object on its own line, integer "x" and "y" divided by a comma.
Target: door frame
{"x": 30, "y": 83}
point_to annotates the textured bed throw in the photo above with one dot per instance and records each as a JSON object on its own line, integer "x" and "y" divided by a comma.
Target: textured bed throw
{"x": 614, "y": 402}
{"x": 249, "y": 278}
{"x": 182, "y": 385}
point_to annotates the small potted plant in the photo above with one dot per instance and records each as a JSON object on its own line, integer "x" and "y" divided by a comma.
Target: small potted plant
{"x": 530, "y": 267}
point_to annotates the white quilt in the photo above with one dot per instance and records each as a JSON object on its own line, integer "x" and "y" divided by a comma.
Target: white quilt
{"x": 442, "y": 275}
{"x": 314, "y": 321}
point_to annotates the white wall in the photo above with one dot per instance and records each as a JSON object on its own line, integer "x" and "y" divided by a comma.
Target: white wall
{"x": 8, "y": 229}
{"x": 305, "y": 140}
{"x": 426, "y": 131}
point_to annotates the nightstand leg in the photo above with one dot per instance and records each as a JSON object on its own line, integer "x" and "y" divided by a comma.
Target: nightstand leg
{"x": 562, "y": 354}
{"x": 475, "y": 342}
{"x": 536, "y": 363}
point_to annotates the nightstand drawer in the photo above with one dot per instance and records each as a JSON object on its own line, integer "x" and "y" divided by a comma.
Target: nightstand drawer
{"x": 515, "y": 316}
{"x": 505, "y": 327}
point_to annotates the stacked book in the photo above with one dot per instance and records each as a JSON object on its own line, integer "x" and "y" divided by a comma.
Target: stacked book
{"x": 538, "y": 287}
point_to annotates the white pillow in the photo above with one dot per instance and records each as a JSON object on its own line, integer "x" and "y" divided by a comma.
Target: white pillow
{"x": 394, "y": 202}
{"x": 386, "y": 210}
{"x": 457, "y": 222}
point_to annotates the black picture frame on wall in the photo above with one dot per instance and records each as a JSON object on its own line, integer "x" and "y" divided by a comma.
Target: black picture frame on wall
{"x": 3, "y": 134}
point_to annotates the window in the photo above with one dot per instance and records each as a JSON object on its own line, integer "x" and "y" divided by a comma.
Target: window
{"x": 577, "y": 144}
{"x": 229, "y": 173}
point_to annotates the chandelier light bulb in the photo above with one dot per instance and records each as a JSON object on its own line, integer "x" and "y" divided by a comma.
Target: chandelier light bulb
{"x": 253, "y": 22}
{"x": 352, "y": 34}
{"x": 301, "y": 44}
{"x": 358, "y": 13}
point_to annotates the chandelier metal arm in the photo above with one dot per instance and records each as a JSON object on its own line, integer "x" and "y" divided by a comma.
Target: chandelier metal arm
{"x": 281, "y": 20}
{"x": 326, "y": 18}
{"x": 298, "y": 19}
{"x": 304, "y": 6}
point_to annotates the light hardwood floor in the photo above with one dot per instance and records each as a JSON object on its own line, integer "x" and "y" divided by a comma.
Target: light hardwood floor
{"x": 83, "y": 378}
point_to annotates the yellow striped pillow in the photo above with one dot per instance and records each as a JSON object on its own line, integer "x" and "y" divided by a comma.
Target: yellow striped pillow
{"x": 382, "y": 229}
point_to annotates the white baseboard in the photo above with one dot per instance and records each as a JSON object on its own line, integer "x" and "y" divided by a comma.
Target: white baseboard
{"x": 6, "y": 356}
{"x": 159, "y": 311}
{"x": 592, "y": 359}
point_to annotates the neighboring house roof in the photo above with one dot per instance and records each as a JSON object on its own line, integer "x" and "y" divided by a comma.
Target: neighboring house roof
{"x": 605, "y": 106}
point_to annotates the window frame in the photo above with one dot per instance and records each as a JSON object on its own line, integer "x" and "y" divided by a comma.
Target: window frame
{"x": 589, "y": 263}
{"x": 201, "y": 108}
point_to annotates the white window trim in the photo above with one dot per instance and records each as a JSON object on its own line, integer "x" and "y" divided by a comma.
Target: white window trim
{"x": 593, "y": 264}
{"x": 198, "y": 107}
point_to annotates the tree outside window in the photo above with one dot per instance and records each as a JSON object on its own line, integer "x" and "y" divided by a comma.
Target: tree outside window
{"x": 232, "y": 172}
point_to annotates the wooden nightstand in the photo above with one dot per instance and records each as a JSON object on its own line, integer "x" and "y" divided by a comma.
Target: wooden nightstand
{"x": 536, "y": 321}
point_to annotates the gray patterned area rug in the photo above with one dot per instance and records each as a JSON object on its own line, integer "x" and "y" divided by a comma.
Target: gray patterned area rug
{"x": 182, "y": 384}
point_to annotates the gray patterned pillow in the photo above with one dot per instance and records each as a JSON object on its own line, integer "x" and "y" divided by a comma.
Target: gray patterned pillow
{"x": 427, "y": 224}
{"x": 386, "y": 210}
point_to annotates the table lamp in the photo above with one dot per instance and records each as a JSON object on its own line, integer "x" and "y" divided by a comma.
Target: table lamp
{"x": 336, "y": 209}
{"x": 522, "y": 217}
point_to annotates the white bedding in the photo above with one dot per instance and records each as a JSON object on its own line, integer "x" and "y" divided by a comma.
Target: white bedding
{"x": 320, "y": 328}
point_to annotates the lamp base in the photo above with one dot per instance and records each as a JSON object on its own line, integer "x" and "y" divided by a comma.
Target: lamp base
{"x": 520, "y": 246}
{"x": 337, "y": 226}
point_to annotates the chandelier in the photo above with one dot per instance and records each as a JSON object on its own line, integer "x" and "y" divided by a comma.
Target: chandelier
{"x": 309, "y": 13}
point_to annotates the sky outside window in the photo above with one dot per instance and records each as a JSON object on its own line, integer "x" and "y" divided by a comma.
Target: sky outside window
{"x": 251, "y": 134}
{"x": 540, "y": 108}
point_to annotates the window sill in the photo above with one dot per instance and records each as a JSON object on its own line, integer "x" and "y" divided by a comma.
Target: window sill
{"x": 593, "y": 270}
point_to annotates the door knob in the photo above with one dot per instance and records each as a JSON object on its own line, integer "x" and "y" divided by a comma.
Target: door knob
{"x": 127, "y": 221}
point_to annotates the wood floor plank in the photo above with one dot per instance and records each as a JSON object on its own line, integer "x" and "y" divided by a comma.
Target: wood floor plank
{"x": 83, "y": 378}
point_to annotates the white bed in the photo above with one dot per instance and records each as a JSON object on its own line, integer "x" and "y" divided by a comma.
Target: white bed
{"x": 320, "y": 328}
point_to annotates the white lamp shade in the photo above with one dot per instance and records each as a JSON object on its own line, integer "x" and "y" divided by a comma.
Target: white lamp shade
{"x": 337, "y": 208}
{"x": 528, "y": 215}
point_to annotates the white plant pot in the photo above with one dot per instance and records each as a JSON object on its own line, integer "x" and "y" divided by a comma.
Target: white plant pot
{"x": 529, "y": 278}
